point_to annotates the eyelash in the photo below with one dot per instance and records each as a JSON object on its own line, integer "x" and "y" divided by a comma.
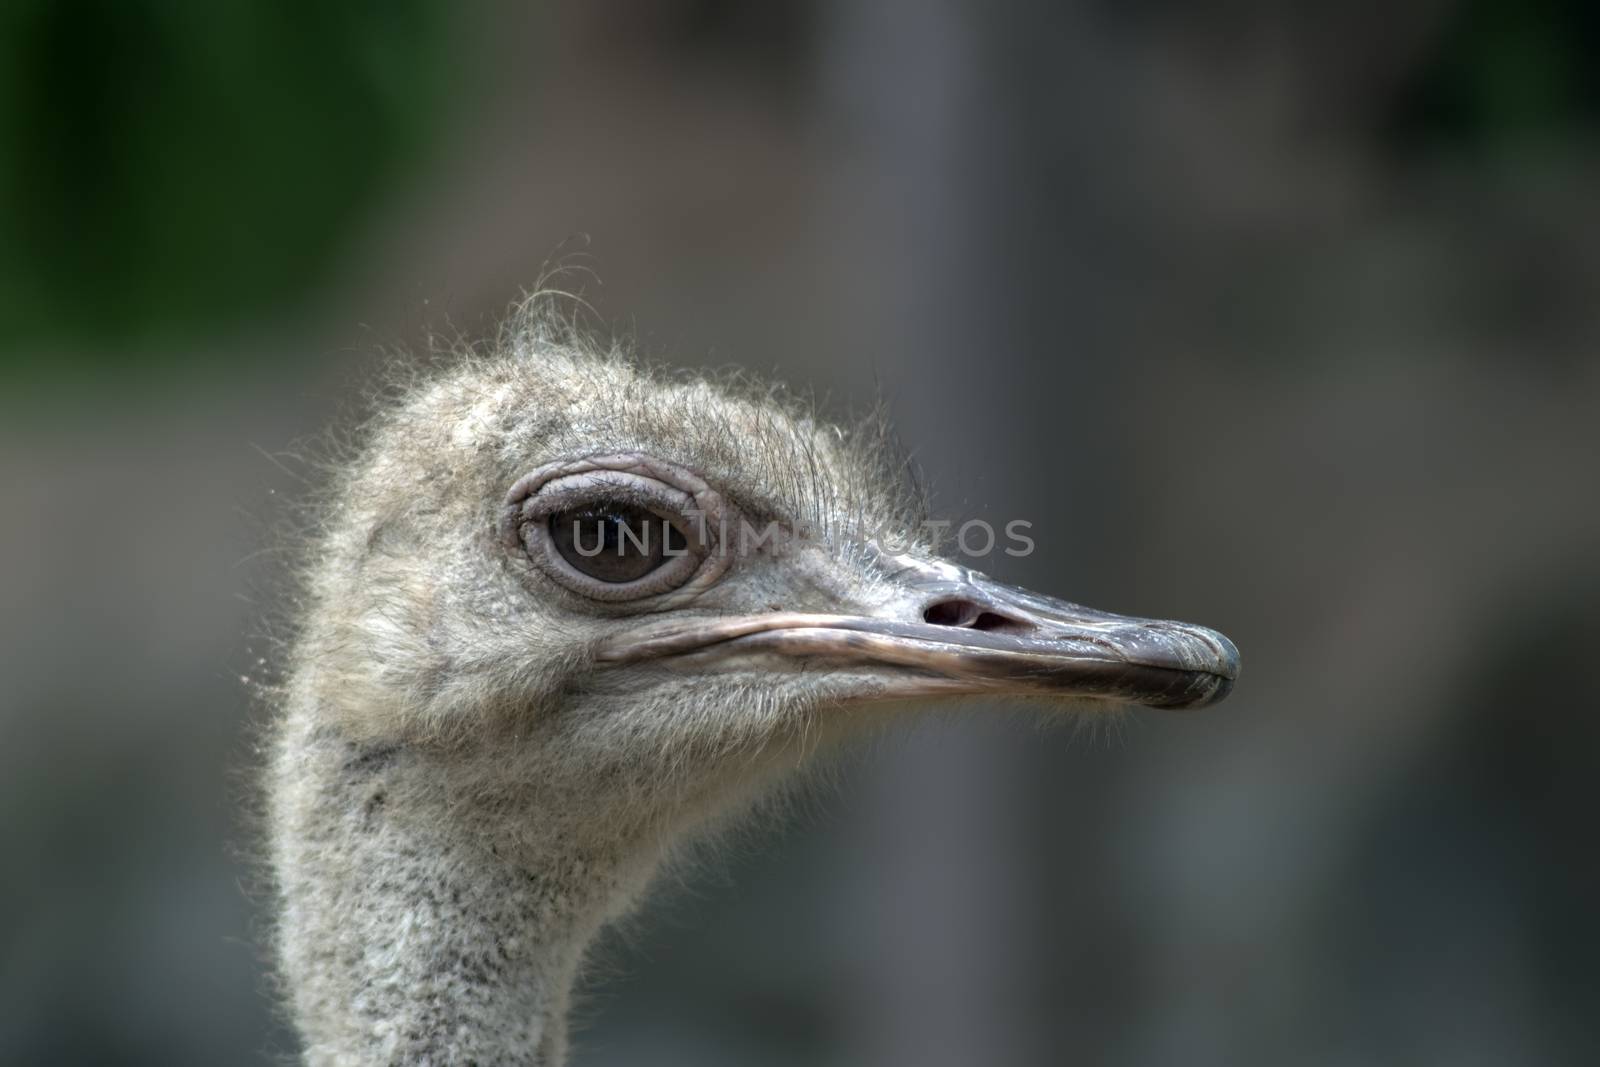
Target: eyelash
{"x": 602, "y": 489}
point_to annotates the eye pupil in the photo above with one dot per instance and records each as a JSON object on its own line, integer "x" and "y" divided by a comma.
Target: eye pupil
{"x": 614, "y": 543}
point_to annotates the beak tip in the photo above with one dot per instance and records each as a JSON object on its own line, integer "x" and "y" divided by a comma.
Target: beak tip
{"x": 1228, "y": 657}
{"x": 1212, "y": 663}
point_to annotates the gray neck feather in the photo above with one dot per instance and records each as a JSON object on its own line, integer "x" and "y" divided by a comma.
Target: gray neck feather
{"x": 430, "y": 913}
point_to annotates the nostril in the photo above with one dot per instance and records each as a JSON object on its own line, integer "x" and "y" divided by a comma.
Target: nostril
{"x": 971, "y": 616}
{"x": 951, "y": 613}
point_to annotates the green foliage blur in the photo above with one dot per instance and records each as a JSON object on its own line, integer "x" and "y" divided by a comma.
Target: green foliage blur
{"x": 1510, "y": 76}
{"x": 171, "y": 168}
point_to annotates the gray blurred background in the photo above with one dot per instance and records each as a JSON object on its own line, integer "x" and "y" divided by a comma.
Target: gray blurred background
{"x": 1278, "y": 317}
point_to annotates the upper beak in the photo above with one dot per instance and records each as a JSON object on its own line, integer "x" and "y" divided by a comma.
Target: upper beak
{"x": 952, "y": 631}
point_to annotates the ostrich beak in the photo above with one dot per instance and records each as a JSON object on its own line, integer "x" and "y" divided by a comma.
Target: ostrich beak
{"x": 976, "y": 635}
{"x": 952, "y": 631}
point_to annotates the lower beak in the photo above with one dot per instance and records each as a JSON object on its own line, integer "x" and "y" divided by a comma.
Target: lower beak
{"x": 959, "y": 632}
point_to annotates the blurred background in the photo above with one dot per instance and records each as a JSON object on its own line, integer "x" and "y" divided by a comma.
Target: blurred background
{"x": 1278, "y": 317}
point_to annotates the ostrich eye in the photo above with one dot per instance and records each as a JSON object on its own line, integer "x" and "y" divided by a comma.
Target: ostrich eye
{"x": 618, "y": 528}
{"x": 615, "y": 542}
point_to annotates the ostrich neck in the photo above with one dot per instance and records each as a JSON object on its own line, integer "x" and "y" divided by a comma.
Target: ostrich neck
{"x": 429, "y": 914}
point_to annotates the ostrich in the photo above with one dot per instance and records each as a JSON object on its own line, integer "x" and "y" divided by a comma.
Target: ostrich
{"x": 564, "y": 610}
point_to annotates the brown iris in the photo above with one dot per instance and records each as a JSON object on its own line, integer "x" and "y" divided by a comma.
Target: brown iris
{"x": 615, "y": 542}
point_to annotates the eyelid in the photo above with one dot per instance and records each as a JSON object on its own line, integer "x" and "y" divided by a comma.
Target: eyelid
{"x": 584, "y": 490}
{"x": 676, "y": 495}
{"x": 576, "y": 490}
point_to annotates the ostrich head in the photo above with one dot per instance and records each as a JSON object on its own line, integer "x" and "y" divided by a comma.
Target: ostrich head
{"x": 564, "y": 609}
